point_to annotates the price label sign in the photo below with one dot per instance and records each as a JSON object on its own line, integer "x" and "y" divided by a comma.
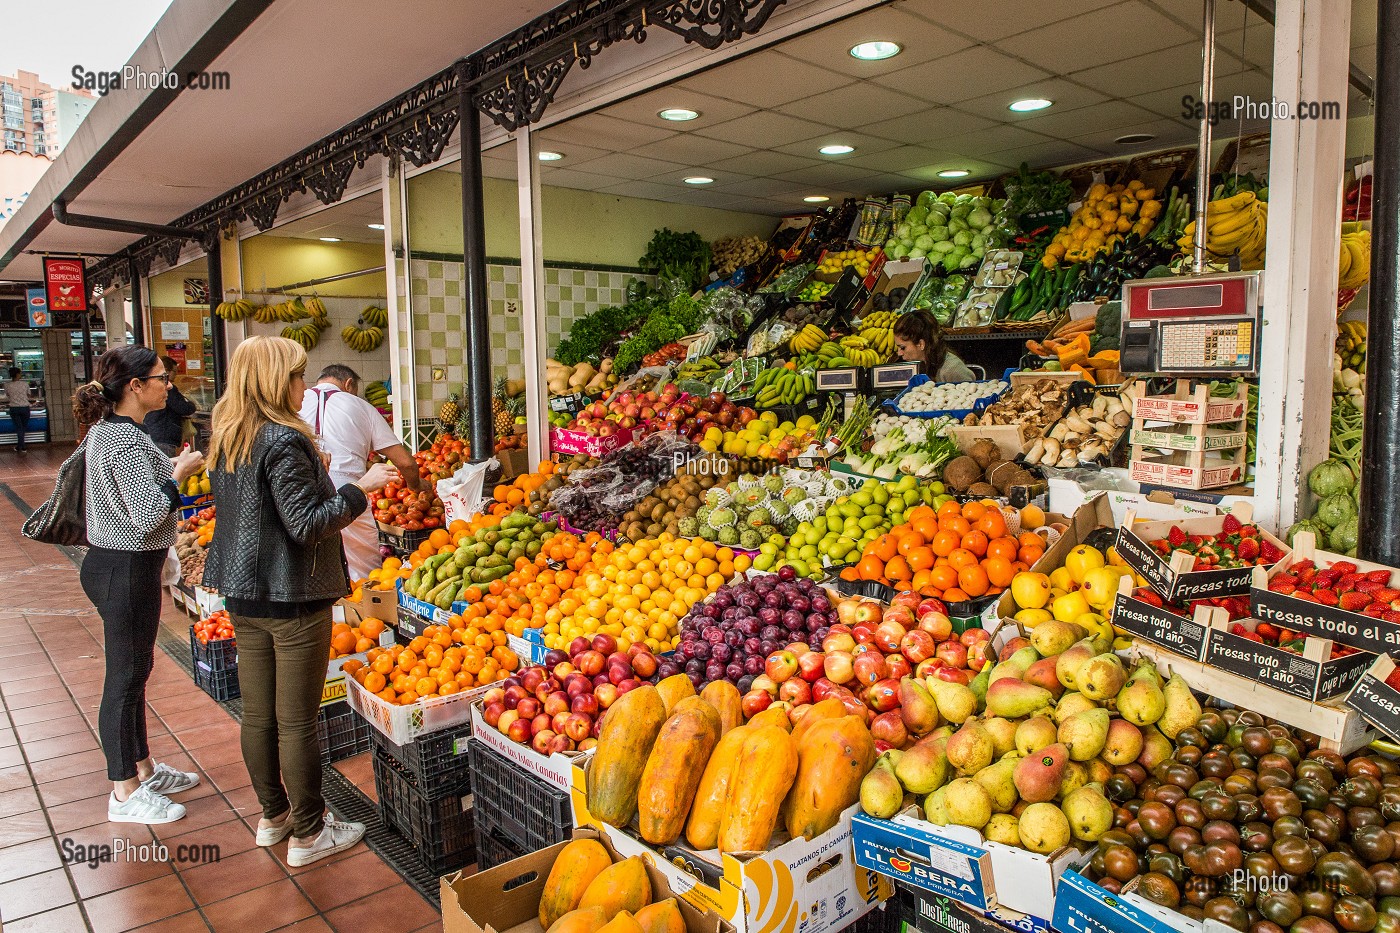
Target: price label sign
{"x": 1160, "y": 626}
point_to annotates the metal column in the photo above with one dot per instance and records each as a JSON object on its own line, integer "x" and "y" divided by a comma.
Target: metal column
{"x": 478, "y": 332}
{"x": 532, "y": 306}
{"x": 138, "y": 312}
{"x": 216, "y": 323}
{"x": 1379, "y": 538}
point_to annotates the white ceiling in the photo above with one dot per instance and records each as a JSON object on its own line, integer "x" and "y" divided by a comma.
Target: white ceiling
{"x": 347, "y": 220}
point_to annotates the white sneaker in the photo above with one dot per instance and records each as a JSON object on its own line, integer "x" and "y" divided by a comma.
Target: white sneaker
{"x": 143, "y": 806}
{"x": 166, "y": 780}
{"x": 271, "y": 835}
{"x": 335, "y": 837}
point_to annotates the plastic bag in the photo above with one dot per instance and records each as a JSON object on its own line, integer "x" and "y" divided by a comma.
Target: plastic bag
{"x": 462, "y": 492}
{"x": 170, "y": 571}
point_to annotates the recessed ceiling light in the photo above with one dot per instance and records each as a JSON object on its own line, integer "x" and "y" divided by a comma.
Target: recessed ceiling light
{"x": 547, "y": 156}
{"x": 678, "y": 114}
{"x": 875, "y": 51}
{"x": 816, "y": 198}
{"x": 1029, "y": 104}
{"x": 699, "y": 180}
{"x": 1133, "y": 139}
{"x": 954, "y": 173}
{"x": 836, "y": 150}
{"x": 376, "y": 226}
{"x": 330, "y": 239}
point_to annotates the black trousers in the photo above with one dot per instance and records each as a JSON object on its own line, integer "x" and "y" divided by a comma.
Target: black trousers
{"x": 125, "y": 588}
{"x": 20, "y": 416}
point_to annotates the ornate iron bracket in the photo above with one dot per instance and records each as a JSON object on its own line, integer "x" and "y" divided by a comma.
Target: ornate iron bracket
{"x": 712, "y": 23}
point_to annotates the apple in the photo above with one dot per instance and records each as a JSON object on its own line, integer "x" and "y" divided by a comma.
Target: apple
{"x": 531, "y": 678}
{"x": 907, "y": 598}
{"x": 505, "y": 719}
{"x": 929, "y": 604}
{"x": 838, "y": 667}
{"x": 811, "y": 665}
{"x": 606, "y": 694}
{"x": 974, "y": 635}
{"x": 954, "y": 653}
{"x": 755, "y": 702}
{"x": 899, "y": 613}
{"x": 846, "y": 611}
{"x": 822, "y": 689}
{"x": 863, "y": 633}
{"x": 867, "y": 613}
{"x": 494, "y": 695}
{"x": 979, "y": 655}
{"x": 560, "y": 743}
{"x": 955, "y": 675}
{"x": 926, "y": 668}
{"x": 799, "y": 648}
{"x": 1012, "y": 646}
{"x": 540, "y": 740}
{"x": 888, "y": 635}
{"x": 869, "y": 667}
{"x": 855, "y": 707}
{"x": 579, "y": 727}
{"x": 543, "y": 691}
{"x": 898, "y": 666}
{"x": 936, "y": 623}
{"x": 491, "y": 712}
{"x": 795, "y": 691}
{"x": 889, "y": 727}
{"x": 883, "y": 695}
{"x": 797, "y": 712}
{"x": 837, "y": 641}
{"x": 514, "y": 694}
{"x": 766, "y": 684}
{"x": 917, "y": 645}
{"x": 780, "y": 665}
{"x": 529, "y": 708}
{"x": 556, "y": 702}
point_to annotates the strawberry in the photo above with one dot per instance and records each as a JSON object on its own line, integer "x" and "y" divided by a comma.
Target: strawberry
{"x": 1238, "y": 606}
{"x": 1328, "y": 597}
{"x": 1353, "y": 602}
{"x": 1369, "y": 586}
{"x": 1284, "y": 589}
{"x": 1375, "y": 610}
{"x": 1269, "y": 552}
{"x": 1231, "y": 524}
{"x": 1271, "y": 632}
{"x": 1200, "y": 564}
{"x": 1392, "y": 616}
{"x": 1349, "y": 581}
{"x": 1379, "y": 576}
{"x": 1304, "y": 594}
{"x": 1238, "y": 629}
{"x": 1306, "y": 576}
{"x": 1385, "y": 595}
{"x": 1328, "y": 578}
{"x": 1176, "y": 537}
{"x": 1284, "y": 578}
{"x": 1248, "y": 550}
{"x": 1249, "y": 531}
{"x": 1149, "y": 596}
{"x": 1162, "y": 546}
{"x": 1344, "y": 566}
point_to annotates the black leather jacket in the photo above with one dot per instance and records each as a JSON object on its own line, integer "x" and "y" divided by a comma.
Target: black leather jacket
{"x": 277, "y": 535}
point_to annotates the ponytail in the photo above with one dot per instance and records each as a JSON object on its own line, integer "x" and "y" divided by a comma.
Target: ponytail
{"x": 112, "y": 374}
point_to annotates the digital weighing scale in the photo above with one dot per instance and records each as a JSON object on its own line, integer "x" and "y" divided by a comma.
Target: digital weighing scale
{"x": 848, "y": 381}
{"x": 1199, "y": 325}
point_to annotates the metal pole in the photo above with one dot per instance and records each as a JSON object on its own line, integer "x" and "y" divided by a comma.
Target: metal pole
{"x": 138, "y": 313}
{"x": 87, "y": 344}
{"x": 1380, "y": 452}
{"x": 1198, "y": 264}
{"x": 532, "y": 317}
{"x": 216, "y": 324}
{"x": 478, "y": 343}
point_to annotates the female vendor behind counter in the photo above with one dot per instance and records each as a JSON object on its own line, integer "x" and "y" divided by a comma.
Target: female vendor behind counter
{"x": 918, "y": 338}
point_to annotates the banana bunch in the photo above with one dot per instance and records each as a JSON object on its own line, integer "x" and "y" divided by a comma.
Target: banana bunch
{"x": 831, "y": 355}
{"x": 377, "y": 394}
{"x": 375, "y": 316}
{"x": 307, "y": 333}
{"x": 317, "y": 309}
{"x": 235, "y": 310}
{"x": 362, "y": 337}
{"x": 781, "y": 386}
{"x": 266, "y": 314}
{"x": 859, "y": 351}
{"x": 1236, "y": 224}
{"x": 1351, "y": 344}
{"x": 879, "y": 319}
{"x": 1355, "y": 268}
{"x": 881, "y": 340}
{"x": 808, "y": 339}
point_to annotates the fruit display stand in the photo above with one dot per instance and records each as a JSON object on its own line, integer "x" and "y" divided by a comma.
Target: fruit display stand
{"x": 1175, "y": 579}
{"x": 334, "y": 689}
{"x": 400, "y": 541}
{"x": 1314, "y": 675}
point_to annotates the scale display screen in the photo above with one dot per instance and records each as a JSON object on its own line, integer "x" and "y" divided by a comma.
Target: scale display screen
{"x": 893, "y": 375}
{"x": 1202, "y": 324}
{"x": 844, "y": 379}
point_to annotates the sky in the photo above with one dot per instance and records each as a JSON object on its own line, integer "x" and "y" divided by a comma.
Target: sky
{"x": 52, "y": 36}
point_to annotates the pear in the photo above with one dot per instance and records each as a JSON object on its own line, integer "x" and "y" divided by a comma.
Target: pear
{"x": 917, "y": 707}
{"x": 1003, "y": 733}
{"x": 1076, "y": 776}
{"x": 1100, "y": 771}
{"x": 1002, "y": 828}
{"x": 1124, "y": 742}
{"x": 1052, "y": 637}
{"x": 924, "y": 767}
{"x": 1043, "y": 828}
{"x": 1016, "y": 699}
{"x": 1101, "y": 677}
{"x": 968, "y": 803}
{"x": 1070, "y": 704}
{"x": 1141, "y": 701}
{"x": 1016, "y": 665}
{"x": 1085, "y": 734}
{"x": 971, "y": 748}
{"x": 1089, "y": 813}
{"x": 1034, "y": 734}
{"x": 1182, "y": 708}
{"x": 996, "y": 781}
{"x": 1042, "y": 674}
{"x": 1071, "y": 659}
{"x": 1156, "y": 748}
{"x": 936, "y": 807}
{"x": 978, "y": 685}
{"x": 956, "y": 702}
{"x": 1037, "y": 776}
{"x": 880, "y": 793}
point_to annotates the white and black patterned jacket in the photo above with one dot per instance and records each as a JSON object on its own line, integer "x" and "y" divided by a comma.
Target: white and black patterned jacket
{"x": 131, "y": 498}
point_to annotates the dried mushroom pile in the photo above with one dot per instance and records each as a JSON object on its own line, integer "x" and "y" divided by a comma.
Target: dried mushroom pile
{"x": 1034, "y": 406}
{"x": 1086, "y": 434}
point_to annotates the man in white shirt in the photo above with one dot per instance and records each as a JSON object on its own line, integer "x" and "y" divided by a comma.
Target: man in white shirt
{"x": 351, "y": 430}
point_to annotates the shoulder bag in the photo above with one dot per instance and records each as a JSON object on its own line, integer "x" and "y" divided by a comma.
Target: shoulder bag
{"x": 63, "y": 518}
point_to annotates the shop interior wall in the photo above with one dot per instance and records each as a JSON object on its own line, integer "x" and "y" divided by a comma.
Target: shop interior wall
{"x": 169, "y": 313}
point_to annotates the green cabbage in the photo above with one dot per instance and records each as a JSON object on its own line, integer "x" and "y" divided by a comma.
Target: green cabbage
{"x": 1336, "y": 509}
{"x": 1343, "y": 537}
{"x": 979, "y": 217}
{"x": 1308, "y": 525}
{"x": 1331, "y": 477}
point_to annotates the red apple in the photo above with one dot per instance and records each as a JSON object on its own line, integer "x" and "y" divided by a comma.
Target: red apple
{"x": 899, "y": 613}
{"x": 578, "y": 646}
{"x": 494, "y": 695}
{"x": 883, "y": 696}
{"x": 505, "y": 719}
{"x": 780, "y": 665}
{"x": 888, "y": 635}
{"x": 540, "y": 740}
{"x": 795, "y": 691}
{"x": 755, "y": 702}
{"x": 889, "y": 727}
{"x": 1012, "y": 646}
{"x": 838, "y": 667}
{"x": 863, "y": 633}
{"x": 917, "y": 645}
{"x": 855, "y": 706}
{"x": 846, "y": 611}
{"x": 954, "y": 653}
{"x": 606, "y": 694}
{"x": 491, "y": 712}
{"x": 974, "y": 635}
{"x": 979, "y": 655}
{"x": 936, "y": 623}
{"x": 628, "y": 684}
{"x": 926, "y": 668}
{"x": 811, "y": 665}
{"x": 822, "y": 689}
{"x": 867, "y": 611}
{"x": 837, "y": 641}
{"x": 907, "y": 598}
{"x": 542, "y": 721}
{"x": 766, "y": 684}
{"x": 514, "y": 694}
{"x": 577, "y": 683}
{"x": 869, "y": 667}
{"x": 956, "y": 675}
{"x": 929, "y": 604}
{"x": 898, "y": 666}
{"x": 799, "y": 648}
{"x": 579, "y": 727}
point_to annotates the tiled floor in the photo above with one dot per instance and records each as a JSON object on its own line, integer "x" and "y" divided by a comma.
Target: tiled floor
{"x": 53, "y": 786}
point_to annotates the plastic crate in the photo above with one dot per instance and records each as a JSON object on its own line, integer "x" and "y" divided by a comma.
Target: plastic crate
{"x": 440, "y": 828}
{"x": 340, "y": 733}
{"x": 493, "y": 849}
{"x": 431, "y": 758}
{"x": 221, "y": 685}
{"x": 217, "y": 656}
{"x": 401, "y": 541}
{"x": 523, "y": 809}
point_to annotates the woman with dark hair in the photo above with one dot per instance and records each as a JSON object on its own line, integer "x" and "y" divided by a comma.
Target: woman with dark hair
{"x": 132, "y": 499}
{"x": 166, "y": 424}
{"x": 917, "y": 337}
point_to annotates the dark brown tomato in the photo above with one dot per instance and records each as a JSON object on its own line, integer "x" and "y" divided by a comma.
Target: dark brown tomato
{"x": 1256, "y": 837}
{"x": 1322, "y": 827}
{"x": 1387, "y": 878}
{"x": 1219, "y": 806}
{"x": 1157, "y": 820}
{"x": 1182, "y": 838}
{"x": 1358, "y": 817}
{"x": 1280, "y": 801}
{"x": 1312, "y": 925}
{"x": 1318, "y": 902}
{"x": 1191, "y": 813}
{"x": 1281, "y": 907}
{"x": 1159, "y": 889}
{"x": 1227, "y": 912}
{"x": 1293, "y": 855}
{"x": 1258, "y": 741}
{"x": 1121, "y": 862}
{"x": 1354, "y": 914}
{"x": 1273, "y": 777}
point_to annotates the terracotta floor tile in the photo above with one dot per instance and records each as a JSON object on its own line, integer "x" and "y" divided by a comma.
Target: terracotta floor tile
{"x": 119, "y": 873}
{"x": 261, "y": 909}
{"x": 21, "y": 861}
{"x": 233, "y": 875}
{"x": 67, "y": 919}
{"x": 14, "y": 686}
{"x": 201, "y": 813}
{"x": 212, "y": 756}
{"x": 25, "y": 701}
{"x": 14, "y": 777}
{"x": 396, "y": 910}
{"x": 60, "y": 746}
{"x": 23, "y": 827}
{"x": 12, "y": 757}
{"x": 358, "y": 876}
{"x": 359, "y": 770}
{"x": 51, "y": 769}
{"x": 33, "y": 660}
{"x": 158, "y": 691}
{"x": 80, "y": 813}
{"x": 230, "y": 777}
{"x": 47, "y": 712}
{"x": 18, "y": 801}
{"x": 231, "y": 836}
{"x": 191, "y": 921}
{"x": 190, "y": 719}
{"x": 8, "y": 739}
{"x": 18, "y": 637}
{"x": 140, "y": 904}
{"x": 162, "y": 745}
{"x": 84, "y": 690}
{"x": 309, "y": 925}
{"x": 87, "y": 676}
{"x": 53, "y": 728}
{"x": 35, "y": 894}
{"x": 67, "y": 790}
{"x": 226, "y": 733}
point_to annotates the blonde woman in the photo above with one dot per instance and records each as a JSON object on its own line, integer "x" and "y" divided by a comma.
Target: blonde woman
{"x": 277, "y": 560}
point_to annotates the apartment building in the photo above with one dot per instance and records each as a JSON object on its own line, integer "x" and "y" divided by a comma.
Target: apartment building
{"x": 38, "y": 118}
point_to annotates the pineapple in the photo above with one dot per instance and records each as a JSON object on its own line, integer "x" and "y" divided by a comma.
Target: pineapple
{"x": 450, "y": 411}
{"x": 501, "y": 416}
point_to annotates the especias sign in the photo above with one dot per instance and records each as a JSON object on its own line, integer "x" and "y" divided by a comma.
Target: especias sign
{"x": 65, "y": 284}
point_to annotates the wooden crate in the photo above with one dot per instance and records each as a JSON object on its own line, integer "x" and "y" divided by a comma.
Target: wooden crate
{"x": 1010, "y": 438}
{"x": 1199, "y": 455}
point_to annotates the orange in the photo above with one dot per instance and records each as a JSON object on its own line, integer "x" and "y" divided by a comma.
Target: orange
{"x": 973, "y": 580}
{"x": 943, "y": 577}
{"x": 945, "y": 542}
{"x": 374, "y": 682}
{"x": 1029, "y": 555}
{"x": 993, "y": 523}
{"x": 439, "y": 538}
{"x": 926, "y": 525}
{"x": 961, "y": 558}
{"x": 1031, "y": 539}
{"x": 383, "y": 664}
{"x": 1003, "y": 547}
{"x": 998, "y": 570}
{"x": 957, "y": 524}
{"x": 363, "y": 644}
{"x": 344, "y": 642}
{"x": 972, "y": 511}
{"x": 976, "y": 542}
{"x": 870, "y": 568}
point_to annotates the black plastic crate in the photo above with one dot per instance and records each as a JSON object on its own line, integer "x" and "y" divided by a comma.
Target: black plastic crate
{"x": 221, "y": 685}
{"x": 440, "y": 827}
{"x": 401, "y": 541}
{"x": 217, "y": 656}
{"x": 524, "y": 809}
{"x": 430, "y": 758}
{"x": 492, "y": 849}
{"x": 341, "y": 733}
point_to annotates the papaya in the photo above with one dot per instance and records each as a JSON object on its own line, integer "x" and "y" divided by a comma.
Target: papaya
{"x": 830, "y": 708}
{"x": 661, "y": 917}
{"x": 674, "y": 769}
{"x": 578, "y": 864}
{"x": 625, "y": 736}
{"x": 724, "y": 697}
{"x": 624, "y": 922}
{"x": 702, "y": 829}
{"x": 704, "y": 707}
{"x": 621, "y": 886}
{"x": 766, "y": 766}
{"x": 584, "y": 920}
{"x": 675, "y": 688}
{"x": 772, "y": 716}
{"x": 833, "y": 758}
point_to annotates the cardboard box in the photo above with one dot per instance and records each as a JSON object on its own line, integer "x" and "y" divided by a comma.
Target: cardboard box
{"x": 1083, "y": 907}
{"x": 1174, "y": 578}
{"x": 513, "y": 463}
{"x": 414, "y": 615}
{"x": 506, "y": 899}
{"x": 897, "y": 274}
{"x": 557, "y": 770}
{"x": 1089, "y": 517}
{"x": 1349, "y": 628}
{"x": 924, "y": 912}
{"x": 1067, "y": 495}
{"x": 959, "y": 863}
{"x": 206, "y": 602}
